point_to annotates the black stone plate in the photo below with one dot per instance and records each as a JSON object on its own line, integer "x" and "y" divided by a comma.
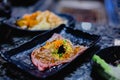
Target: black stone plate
{"x": 20, "y": 56}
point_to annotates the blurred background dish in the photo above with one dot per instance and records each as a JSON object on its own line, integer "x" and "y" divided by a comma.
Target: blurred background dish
{"x": 40, "y": 20}
{"x": 10, "y": 25}
{"x": 22, "y": 2}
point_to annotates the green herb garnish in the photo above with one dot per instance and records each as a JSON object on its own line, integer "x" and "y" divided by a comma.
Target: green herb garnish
{"x": 60, "y": 55}
{"x": 64, "y": 41}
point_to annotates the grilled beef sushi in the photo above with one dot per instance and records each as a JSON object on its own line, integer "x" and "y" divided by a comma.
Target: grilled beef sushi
{"x": 57, "y": 50}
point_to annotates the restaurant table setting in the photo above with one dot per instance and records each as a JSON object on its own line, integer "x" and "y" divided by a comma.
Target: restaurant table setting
{"x": 18, "y": 44}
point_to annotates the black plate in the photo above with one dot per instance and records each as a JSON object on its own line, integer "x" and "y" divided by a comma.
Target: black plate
{"x": 20, "y": 56}
{"x": 110, "y": 55}
{"x": 10, "y": 24}
{"x": 23, "y": 2}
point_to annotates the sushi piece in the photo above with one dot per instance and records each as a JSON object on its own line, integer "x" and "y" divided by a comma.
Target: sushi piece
{"x": 57, "y": 50}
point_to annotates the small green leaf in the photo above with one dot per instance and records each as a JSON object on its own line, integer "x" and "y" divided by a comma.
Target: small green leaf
{"x": 60, "y": 55}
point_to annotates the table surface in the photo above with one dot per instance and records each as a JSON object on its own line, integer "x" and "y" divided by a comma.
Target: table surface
{"x": 82, "y": 72}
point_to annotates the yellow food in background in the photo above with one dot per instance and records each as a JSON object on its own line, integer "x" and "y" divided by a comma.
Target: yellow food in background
{"x": 39, "y": 21}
